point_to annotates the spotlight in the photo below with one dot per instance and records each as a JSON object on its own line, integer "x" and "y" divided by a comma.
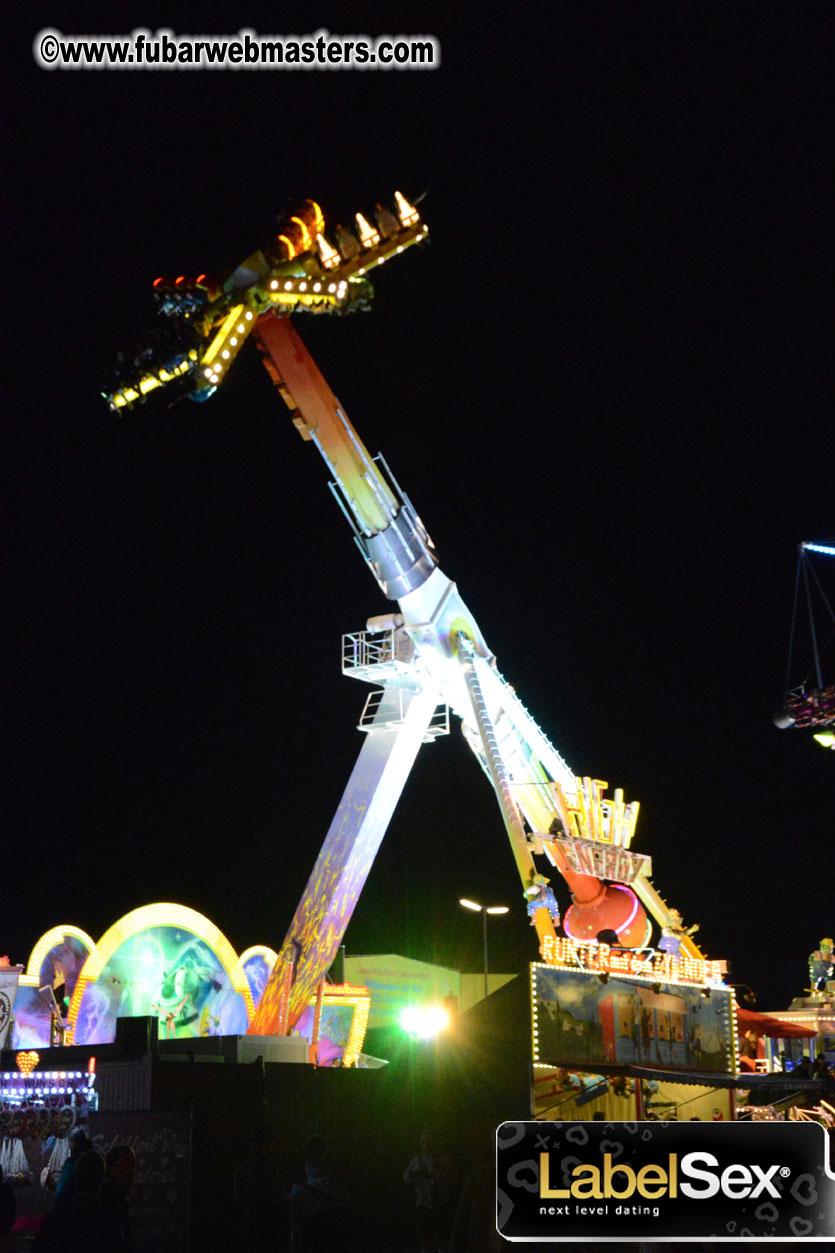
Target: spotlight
{"x": 424, "y": 1022}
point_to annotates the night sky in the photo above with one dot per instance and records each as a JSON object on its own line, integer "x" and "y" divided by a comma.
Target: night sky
{"x": 605, "y": 385}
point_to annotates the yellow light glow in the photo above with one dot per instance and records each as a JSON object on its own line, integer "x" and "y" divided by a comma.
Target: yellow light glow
{"x": 407, "y": 213}
{"x": 586, "y": 814}
{"x": 369, "y": 238}
{"x": 49, "y": 940}
{"x": 318, "y": 217}
{"x": 26, "y": 1062}
{"x": 329, "y": 257}
{"x": 269, "y": 955}
{"x": 227, "y": 327}
{"x": 307, "y": 242}
{"x": 360, "y": 998}
{"x": 563, "y": 953}
{"x": 424, "y": 1021}
{"x": 291, "y": 248}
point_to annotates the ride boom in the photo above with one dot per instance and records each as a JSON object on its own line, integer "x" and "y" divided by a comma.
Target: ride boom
{"x": 424, "y": 658}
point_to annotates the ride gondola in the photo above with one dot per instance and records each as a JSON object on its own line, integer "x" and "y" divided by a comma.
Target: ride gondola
{"x": 809, "y": 699}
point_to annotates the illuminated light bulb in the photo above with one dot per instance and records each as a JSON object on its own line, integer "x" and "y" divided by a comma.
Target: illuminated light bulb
{"x": 274, "y": 284}
{"x": 317, "y": 286}
{"x": 233, "y": 341}
{"x": 407, "y": 213}
{"x": 208, "y": 371}
{"x": 288, "y": 286}
{"x": 249, "y": 315}
{"x": 302, "y": 286}
{"x": 241, "y": 328}
{"x": 225, "y": 354}
{"x": 327, "y": 255}
{"x": 331, "y": 287}
{"x": 369, "y": 238}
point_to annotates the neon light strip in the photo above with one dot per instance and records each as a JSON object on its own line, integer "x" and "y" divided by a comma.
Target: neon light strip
{"x": 631, "y": 917}
{"x": 226, "y": 330}
{"x": 819, "y": 548}
{"x": 259, "y": 950}
{"x": 360, "y": 998}
{"x": 49, "y": 940}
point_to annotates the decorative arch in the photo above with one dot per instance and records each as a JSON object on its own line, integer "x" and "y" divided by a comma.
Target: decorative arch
{"x": 173, "y": 930}
{"x": 50, "y": 940}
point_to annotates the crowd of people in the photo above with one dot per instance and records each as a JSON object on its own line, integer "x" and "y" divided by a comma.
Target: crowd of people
{"x": 90, "y": 1207}
{"x": 442, "y": 1210}
{"x": 441, "y": 1207}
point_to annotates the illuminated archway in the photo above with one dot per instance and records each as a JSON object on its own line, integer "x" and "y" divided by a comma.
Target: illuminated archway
{"x": 163, "y": 960}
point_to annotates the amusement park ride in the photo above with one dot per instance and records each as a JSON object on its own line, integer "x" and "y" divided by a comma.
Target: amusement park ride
{"x": 423, "y": 658}
{"x": 809, "y": 702}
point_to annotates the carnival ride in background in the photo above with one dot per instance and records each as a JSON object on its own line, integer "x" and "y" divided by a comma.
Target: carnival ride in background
{"x": 809, "y": 699}
{"x": 168, "y": 962}
{"x": 424, "y": 658}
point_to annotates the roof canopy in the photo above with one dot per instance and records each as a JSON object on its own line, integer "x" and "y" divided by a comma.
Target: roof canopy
{"x": 767, "y": 1024}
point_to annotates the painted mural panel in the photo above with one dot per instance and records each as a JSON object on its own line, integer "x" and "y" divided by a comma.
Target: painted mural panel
{"x": 167, "y": 972}
{"x": 334, "y": 1031}
{"x": 257, "y": 969}
{"x": 580, "y": 1020}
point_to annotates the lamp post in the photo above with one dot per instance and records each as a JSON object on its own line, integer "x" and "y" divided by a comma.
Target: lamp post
{"x": 484, "y": 910}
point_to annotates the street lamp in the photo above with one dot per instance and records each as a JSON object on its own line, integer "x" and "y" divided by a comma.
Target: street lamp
{"x": 484, "y": 911}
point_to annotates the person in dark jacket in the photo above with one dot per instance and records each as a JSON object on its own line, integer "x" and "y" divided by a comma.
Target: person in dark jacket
{"x": 79, "y": 1224}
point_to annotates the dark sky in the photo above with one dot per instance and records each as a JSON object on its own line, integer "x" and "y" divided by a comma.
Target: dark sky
{"x": 606, "y": 386}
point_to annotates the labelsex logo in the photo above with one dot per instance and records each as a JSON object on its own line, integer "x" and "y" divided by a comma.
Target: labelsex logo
{"x": 589, "y": 1182}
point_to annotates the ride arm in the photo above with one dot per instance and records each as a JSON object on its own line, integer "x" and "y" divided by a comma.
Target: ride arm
{"x": 387, "y": 530}
{"x": 523, "y": 767}
{"x": 343, "y": 864}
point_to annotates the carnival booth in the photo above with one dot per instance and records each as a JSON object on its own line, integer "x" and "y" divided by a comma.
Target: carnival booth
{"x": 753, "y": 1029}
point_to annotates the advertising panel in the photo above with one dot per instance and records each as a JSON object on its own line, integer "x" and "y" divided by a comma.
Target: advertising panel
{"x": 656, "y": 1181}
{"x": 396, "y": 982}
